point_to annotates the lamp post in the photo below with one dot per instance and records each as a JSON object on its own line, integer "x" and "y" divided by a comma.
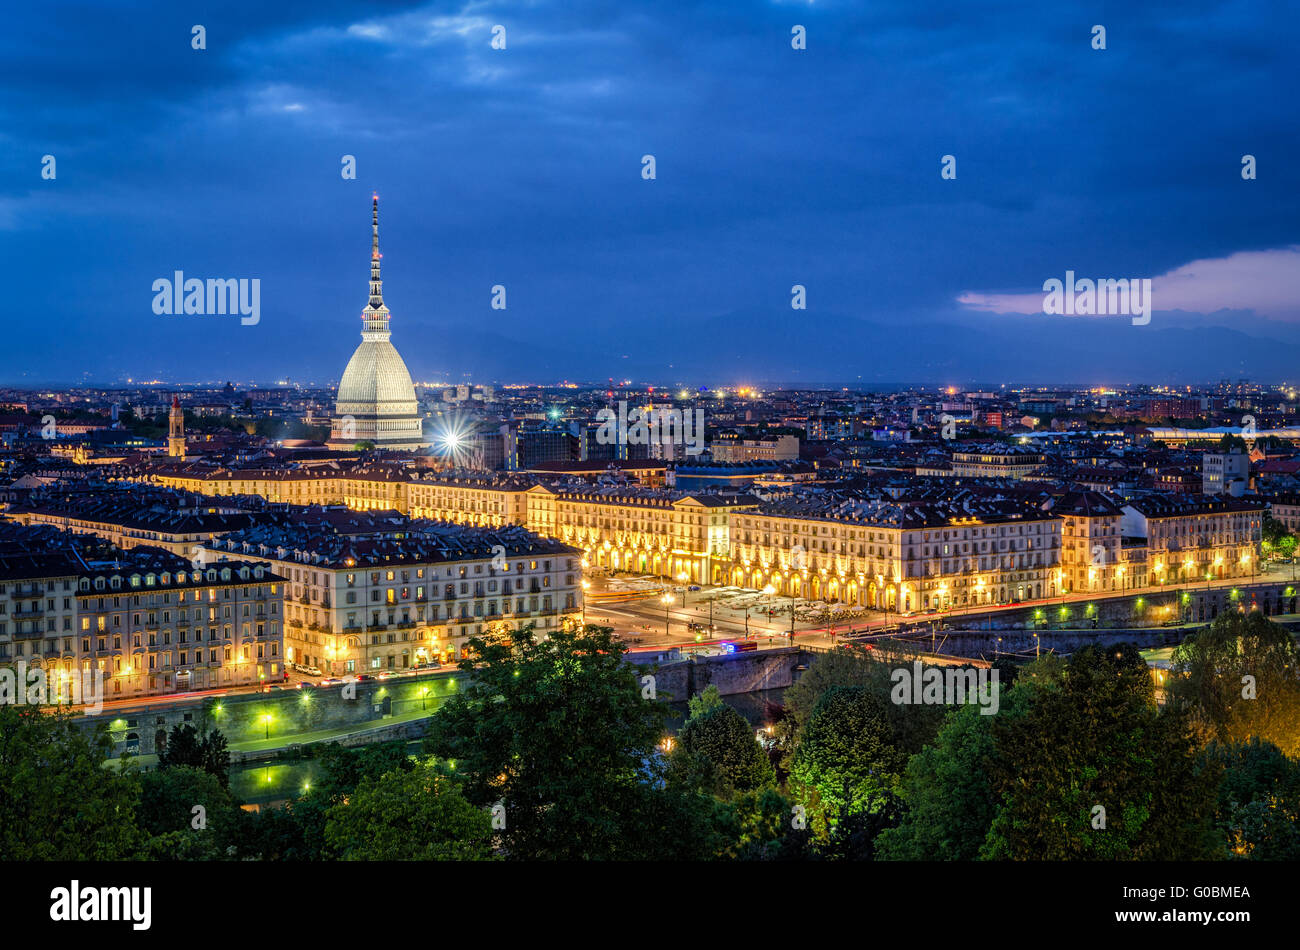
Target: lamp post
{"x": 769, "y": 590}
{"x": 683, "y": 577}
{"x": 266, "y": 721}
{"x": 585, "y": 585}
{"x": 667, "y": 600}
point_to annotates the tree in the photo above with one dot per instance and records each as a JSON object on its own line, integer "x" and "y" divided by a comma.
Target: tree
{"x": 844, "y": 754}
{"x": 188, "y": 814}
{"x": 948, "y": 793}
{"x": 701, "y": 703}
{"x": 557, "y": 730}
{"x": 911, "y": 725}
{"x": 409, "y": 815}
{"x": 1273, "y": 530}
{"x": 301, "y": 833}
{"x": 722, "y": 743}
{"x": 1238, "y": 679}
{"x": 210, "y": 753}
{"x": 58, "y": 799}
{"x": 1258, "y": 815}
{"x": 1093, "y": 770}
{"x": 215, "y": 757}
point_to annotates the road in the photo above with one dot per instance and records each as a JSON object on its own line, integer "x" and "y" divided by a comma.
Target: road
{"x": 659, "y": 628}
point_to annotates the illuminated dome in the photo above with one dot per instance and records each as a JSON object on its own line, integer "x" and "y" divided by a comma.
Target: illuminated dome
{"x": 376, "y": 401}
{"x": 376, "y": 377}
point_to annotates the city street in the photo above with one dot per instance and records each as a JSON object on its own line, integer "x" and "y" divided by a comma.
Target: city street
{"x": 647, "y": 623}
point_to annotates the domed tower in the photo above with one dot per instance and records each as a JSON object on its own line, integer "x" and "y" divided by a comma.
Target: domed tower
{"x": 376, "y": 401}
{"x": 176, "y": 430}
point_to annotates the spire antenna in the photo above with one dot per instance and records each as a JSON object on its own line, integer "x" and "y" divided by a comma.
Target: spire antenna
{"x": 375, "y": 316}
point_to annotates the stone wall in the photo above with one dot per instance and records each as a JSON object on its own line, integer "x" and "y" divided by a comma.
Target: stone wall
{"x": 289, "y": 713}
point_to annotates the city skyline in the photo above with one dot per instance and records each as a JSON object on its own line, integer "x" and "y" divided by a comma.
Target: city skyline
{"x": 522, "y": 167}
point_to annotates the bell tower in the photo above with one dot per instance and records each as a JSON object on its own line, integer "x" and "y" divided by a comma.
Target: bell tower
{"x": 176, "y": 430}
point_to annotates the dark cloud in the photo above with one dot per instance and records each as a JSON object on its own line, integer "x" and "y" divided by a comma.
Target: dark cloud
{"x": 522, "y": 167}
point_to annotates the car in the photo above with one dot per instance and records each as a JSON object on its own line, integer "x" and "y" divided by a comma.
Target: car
{"x": 310, "y": 671}
{"x": 693, "y": 587}
{"x": 385, "y": 674}
{"x": 330, "y": 681}
{"x": 363, "y": 678}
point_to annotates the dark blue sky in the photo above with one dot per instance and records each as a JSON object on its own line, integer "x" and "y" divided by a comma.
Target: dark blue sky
{"x": 522, "y": 167}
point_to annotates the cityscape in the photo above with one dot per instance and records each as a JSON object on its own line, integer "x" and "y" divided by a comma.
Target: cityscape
{"x": 705, "y": 526}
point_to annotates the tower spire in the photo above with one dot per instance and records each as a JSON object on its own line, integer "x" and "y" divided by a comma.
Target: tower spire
{"x": 374, "y": 318}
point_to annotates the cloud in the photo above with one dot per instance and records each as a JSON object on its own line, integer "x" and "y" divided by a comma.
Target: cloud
{"x": 1266, "y": 283}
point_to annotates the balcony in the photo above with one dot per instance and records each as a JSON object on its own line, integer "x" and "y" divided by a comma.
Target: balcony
{"x": 27, "y": 613}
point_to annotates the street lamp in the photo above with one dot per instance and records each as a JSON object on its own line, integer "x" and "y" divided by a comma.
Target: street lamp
{"x": 266, "y": 720}
{"x": 769, "y": 590}
{"x": 667, "y": 601}
{"x": 585, "y": 585}
{"x": 424, "y": 693}
{"x": 683, "y": 577}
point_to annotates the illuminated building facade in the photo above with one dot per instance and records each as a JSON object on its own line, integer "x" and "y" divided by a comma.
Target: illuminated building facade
{"x": 160, "y": 625}
{"x": 371, "y": 594}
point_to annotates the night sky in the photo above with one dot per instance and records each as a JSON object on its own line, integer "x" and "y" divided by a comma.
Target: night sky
{"x": 522, "y": 167}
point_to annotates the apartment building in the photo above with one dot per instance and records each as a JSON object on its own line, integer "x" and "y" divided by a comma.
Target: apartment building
{"x": 485, "y": 500}
{"x": 1192, "y": 538}
{"x": 375, "y": 592}
{"x": 628, "y": 528}
{"x": 128, "y": 522}
{"x": 731, "y": 449}
{"x": 899, "y": 557}
{"x": 150, "y": 623}
{"x": 1225, "y": 473}
{"x": 996, "y": 461}
{"x": 1095, "y": 555}
{"x": 38, "y": 610}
